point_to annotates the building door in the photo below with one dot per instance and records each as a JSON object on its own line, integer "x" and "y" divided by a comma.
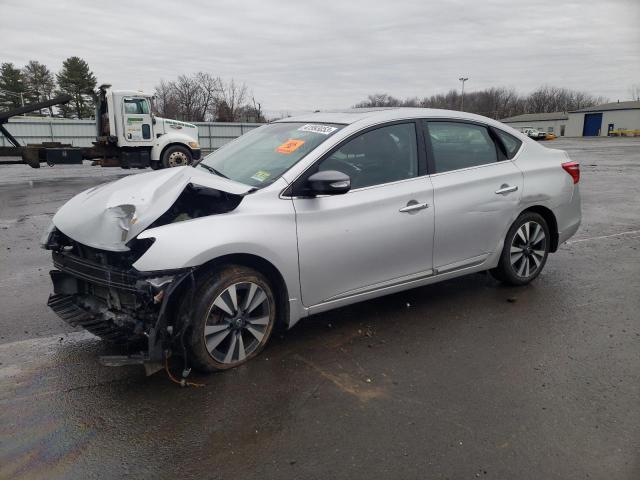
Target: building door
{"x": 610, "y": 129}
{"x": 562, "y": 130}
{"x": 592, "y": 124}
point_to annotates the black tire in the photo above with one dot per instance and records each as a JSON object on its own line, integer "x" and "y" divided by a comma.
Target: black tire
{"x": 155, "y": 164}
{"x": 207, "y": 314}
{"x": 515, "y": 269}
{"x": 176, "y": 156}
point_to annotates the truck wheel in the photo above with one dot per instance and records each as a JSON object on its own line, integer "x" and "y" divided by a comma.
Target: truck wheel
{"x": 176, "y": 156}
{"x": 155, "y": 165}
{"x": 231, "y": 319}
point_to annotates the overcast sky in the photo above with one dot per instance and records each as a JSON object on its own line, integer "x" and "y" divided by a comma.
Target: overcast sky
{"x": 307, "y": 55}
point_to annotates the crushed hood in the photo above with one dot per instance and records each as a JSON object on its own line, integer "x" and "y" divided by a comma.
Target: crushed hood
{"x": 111, "y": 214}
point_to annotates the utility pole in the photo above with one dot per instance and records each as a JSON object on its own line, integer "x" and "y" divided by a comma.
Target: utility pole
{"x": 462, "y": 79}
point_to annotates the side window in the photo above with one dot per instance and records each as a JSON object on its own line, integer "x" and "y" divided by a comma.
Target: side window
{"x": 458, "y": 145}
{"x": 383, "y": 155}
{"x": 511, "y": 143}
{"x": 136, "y": 106}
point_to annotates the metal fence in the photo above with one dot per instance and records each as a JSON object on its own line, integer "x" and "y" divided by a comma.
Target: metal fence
{"x": 80, "y": 133}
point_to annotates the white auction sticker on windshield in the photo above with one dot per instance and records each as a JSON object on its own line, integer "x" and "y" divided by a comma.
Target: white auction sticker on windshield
{"x": 322, "y": 129}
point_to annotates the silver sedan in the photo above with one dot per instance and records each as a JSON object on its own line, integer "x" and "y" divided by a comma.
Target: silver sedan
{"x": 301, "y": 216}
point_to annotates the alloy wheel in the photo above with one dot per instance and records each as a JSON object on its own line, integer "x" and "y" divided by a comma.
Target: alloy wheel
{"x": 528, "y": 249}
{"x": 237, "y": 322}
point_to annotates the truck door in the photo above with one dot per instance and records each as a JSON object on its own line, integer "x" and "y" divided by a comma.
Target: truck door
{"x": 137, "y": 124}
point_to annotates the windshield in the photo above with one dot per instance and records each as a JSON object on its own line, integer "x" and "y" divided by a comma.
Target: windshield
{"x": 259, "y": 157}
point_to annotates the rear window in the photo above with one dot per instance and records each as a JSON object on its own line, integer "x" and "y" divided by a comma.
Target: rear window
{"x": 511, "y": 143}
{"x": 457, "y": 145}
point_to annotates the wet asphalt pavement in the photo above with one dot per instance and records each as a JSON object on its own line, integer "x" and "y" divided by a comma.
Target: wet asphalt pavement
{"x": 464, "y": 379}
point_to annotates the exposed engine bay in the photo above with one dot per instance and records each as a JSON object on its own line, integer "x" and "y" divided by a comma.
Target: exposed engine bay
{"x": 195, "y": 202}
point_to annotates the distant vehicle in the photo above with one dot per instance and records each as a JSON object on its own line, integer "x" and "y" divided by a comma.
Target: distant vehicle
{"x": 302, "y": 216}
{"x": 128, "y": 135}
{"x": 124, "y": 121}
{"x": 551, "y": 136}
{"x": 534, "y": 133}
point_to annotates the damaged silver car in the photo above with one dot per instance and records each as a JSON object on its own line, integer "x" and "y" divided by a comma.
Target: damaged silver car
{"x": 302, "y": 216}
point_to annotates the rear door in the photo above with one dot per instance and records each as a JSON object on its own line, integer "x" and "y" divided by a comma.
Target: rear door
{"x": 477, "y": 190}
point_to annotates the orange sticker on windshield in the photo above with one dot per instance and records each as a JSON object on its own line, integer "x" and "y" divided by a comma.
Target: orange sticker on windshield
{"x": 289, "y": 146}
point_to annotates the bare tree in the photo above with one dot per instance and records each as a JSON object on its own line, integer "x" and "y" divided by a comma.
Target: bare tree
{"x": 202, "y": 97}
{"x": 210, "y": 88}
{"x": 634, "y": 90}
{"x": 165, "y": 104}
{"x": 233, "y": 96}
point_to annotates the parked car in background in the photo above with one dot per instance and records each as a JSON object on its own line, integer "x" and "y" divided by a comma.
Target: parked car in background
{"x": 302, "y": 216}
{"x": 534, "y": 133}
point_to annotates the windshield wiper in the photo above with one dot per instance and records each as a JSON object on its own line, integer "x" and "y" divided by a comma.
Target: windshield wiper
{"x": 212, "y": 170}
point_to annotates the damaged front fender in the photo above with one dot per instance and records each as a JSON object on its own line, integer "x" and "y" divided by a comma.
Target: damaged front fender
{"x": 110, "y": 215}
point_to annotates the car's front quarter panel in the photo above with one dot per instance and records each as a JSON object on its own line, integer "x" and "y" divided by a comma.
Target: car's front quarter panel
{"x": 262, "y": 225}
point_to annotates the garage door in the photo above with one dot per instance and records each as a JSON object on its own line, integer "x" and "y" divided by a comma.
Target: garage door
{"x": 592, "y": 124}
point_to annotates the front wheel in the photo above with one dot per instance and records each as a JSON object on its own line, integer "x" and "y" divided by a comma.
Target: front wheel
{"x": 525, "y": 250}
{"x": 233, "y": 317}
{"x": 176, "y": 156}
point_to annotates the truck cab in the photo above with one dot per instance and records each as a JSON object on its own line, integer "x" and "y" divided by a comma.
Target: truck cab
{"x": 129, "y": 131}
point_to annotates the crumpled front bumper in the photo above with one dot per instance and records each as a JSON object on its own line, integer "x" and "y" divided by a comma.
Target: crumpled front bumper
{"x": 121, "y": 306}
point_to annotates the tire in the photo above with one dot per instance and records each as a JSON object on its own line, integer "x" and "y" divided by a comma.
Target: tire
{"x": 176, "y": 156}
{"x": 155, "y": 165}
{"x": 528, "y": 236}
{"x": 222, "y": 336}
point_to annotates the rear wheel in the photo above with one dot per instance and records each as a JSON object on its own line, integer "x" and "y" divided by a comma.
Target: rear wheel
{"x": 233, "y": 317}
{"x": 525, "y": 250}
{"x": 176, "y": 156}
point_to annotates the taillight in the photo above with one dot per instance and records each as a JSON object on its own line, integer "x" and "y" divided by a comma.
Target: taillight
{"x": 573, "y": 169}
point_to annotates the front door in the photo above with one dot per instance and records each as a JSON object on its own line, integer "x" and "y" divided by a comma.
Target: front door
{"x": 476, "y": 192}
{"x": 381, "y": 232}
{"x": 137, "y": 120}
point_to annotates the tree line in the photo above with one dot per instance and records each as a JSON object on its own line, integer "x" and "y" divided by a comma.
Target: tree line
{"x": 34, "y": 82}
{"x": 203, "y": 97}
{"x": 494, "y": 102}
{"x": 198, "y": 97}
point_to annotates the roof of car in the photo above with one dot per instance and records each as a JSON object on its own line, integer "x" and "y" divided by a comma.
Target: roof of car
{"x": 382, "y": 114}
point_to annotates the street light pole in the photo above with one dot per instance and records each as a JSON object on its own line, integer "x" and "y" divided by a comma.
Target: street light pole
{"x": 462, "y": 79}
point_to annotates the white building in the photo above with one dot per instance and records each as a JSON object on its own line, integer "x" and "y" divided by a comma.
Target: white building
{"x": 619, "y": 118}
{"x": 555, "y": 122}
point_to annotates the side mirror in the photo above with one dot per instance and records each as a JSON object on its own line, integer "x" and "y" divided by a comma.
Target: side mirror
{"x": 328, "y": 182}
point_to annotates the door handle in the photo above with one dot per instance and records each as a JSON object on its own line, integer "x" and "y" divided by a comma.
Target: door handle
{"x": 413, "y": 206}
{"x": 504, "y": 188}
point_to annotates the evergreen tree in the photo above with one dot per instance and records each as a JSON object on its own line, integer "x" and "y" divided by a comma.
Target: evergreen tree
{"x": 77, "y": 80}
{"x": 39, "y": 83}
{"x": 11, "y": 86}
